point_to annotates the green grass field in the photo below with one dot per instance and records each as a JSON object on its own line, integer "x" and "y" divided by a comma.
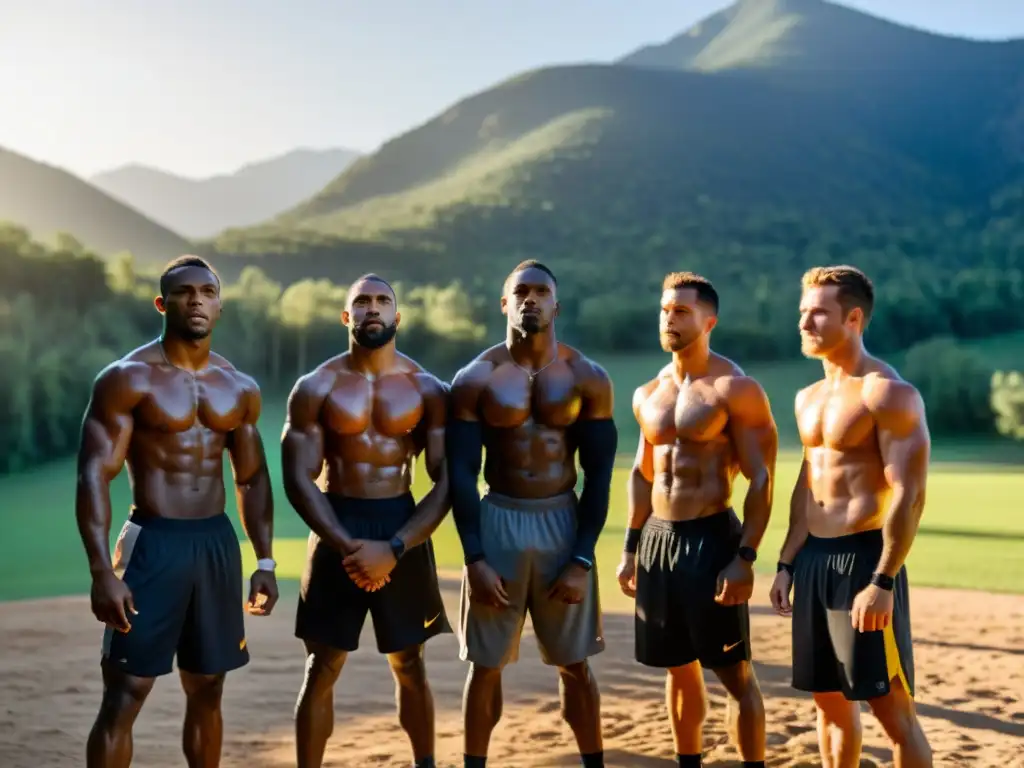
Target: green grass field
{"x": 971, "y": 535}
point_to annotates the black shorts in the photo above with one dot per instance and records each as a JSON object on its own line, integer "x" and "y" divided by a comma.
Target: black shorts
{"x": 677, "y": 618}
{"x": 406, "y": 612}
{"x": 829, "y": 655}
{"x": 186, "y": 580}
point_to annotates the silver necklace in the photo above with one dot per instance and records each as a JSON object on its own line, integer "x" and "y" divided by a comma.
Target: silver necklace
{"x": 533, "y": 374}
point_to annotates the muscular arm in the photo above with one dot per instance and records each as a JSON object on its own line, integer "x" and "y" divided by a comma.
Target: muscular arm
{"x": 640, "y": 486}
{"x": 597, "y": 438}
{"x": 302, "y": 458}
{"x": 252, "y": 480}
{"x": 796, "y": 535}
{"x": 106, "y": 435}
{"x": 464, "y": 457}
{"x": 435, "y": 505}
{"x": 756, "y": 440}
{"x": 905, "y": 447}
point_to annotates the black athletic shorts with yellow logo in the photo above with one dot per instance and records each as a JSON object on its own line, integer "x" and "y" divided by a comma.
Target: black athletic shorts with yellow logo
{"x": 406, "y": 612}
{"x": 829, "y": 654}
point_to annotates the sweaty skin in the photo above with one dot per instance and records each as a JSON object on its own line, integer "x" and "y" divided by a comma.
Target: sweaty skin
{"x": 169, "y": 412}
{"x": 702, "y": 422}
{"x": 527, "y": 393}
{"x": 365, "y": 416}
{"x": 866, "y": 452}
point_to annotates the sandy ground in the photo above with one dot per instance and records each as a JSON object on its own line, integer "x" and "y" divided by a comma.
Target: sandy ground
{"x": 969, "y": 651}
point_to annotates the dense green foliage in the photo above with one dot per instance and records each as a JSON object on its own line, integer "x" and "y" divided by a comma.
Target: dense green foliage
{"x": 65, "y": 314}
{"x": 1008, "y": 403}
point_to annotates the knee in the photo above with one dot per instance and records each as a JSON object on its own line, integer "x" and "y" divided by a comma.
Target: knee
{"x": 123, "y": 700}
{"x": 576, "y": 674}
{"x": 896, "y": 715}
{"x": 322, "y": 670}
{"x": 408, "y": 668}
{"x": 835, "y": 709}
{"x": 203, "y": 691}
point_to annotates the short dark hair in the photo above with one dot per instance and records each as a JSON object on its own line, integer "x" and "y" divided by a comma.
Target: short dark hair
{"x": 180, "y": 263}
{"x": 371, "y": 276}
{"x": 530, "y": 264}
{"x": 706, "y": 293}
{"x": 855, "y": 289}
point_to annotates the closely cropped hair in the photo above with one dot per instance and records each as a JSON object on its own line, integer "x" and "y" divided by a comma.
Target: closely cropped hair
{"x": 180, "y": 263}
{"x": 371, "y": 276}
{"x": 531, "y": 264}
{"x": 855, "y": 288}
{"x": 706, "y": 293}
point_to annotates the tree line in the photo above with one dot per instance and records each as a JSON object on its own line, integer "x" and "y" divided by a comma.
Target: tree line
{"x": 65, "y": 314}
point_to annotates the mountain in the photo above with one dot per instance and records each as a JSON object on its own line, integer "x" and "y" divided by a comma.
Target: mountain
{"x": 202, "y": 207}
{"x": 772, "y": 135}
{"x": 47, "y": 200}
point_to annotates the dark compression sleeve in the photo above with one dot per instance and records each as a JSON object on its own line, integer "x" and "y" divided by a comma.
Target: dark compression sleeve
{"x": 464, "y": 453}
{"x": 598, "y": 441}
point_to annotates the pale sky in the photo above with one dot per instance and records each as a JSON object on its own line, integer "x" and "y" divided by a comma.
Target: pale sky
{"x": 199, "y": 87}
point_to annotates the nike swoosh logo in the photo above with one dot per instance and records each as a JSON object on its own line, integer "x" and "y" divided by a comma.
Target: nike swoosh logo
{"x": 727, "y": 648}
{"x": 426, "y": 624}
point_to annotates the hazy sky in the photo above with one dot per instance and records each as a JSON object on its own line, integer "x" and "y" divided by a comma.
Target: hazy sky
{"x": 203, "y": 86}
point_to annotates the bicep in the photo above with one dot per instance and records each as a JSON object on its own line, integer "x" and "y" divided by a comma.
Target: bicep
{"x": 246, "y": 452}
{"x": 643, "y": 463}
{"x": 107, "y": 427}
{"x": 302, "y": 440}
{"x": 754, "y": 434}
{"x": 598, "y": 396}
{"x": 433, "y": 426}
{"x": 905, "y": 456}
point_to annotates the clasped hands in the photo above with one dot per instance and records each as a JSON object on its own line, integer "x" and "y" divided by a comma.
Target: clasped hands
{"x": 487, "y": 587}
{"x": 369, "y": 564}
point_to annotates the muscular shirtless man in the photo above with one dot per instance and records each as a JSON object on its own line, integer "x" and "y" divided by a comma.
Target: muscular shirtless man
{"x": 529, "y": 545}
{"x": 853, "y": 516}
{"x": 367, "y": 413}
{"x": 702, "y": 421}
{"x": 174, "y": 586}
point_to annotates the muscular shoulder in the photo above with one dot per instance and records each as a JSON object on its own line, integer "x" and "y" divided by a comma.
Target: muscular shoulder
{"x": 308, "y": 394}
{"x": 644, "y": 391}
{"x": 895, "y": 403}
{"x": 469, "y": 382}
{"x": 121, "y": 384}
{"x": 594, "y": 384}
{"x": 744, "y": 397}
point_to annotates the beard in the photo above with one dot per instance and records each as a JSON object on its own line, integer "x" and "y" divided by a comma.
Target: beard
{"x": 374, "y": 336}
{"x": 677, "y": 343}
{"x": 530, "y": 325}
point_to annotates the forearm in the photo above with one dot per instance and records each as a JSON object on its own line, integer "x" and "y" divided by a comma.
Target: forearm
{"x": 463, "y": 449}
{"x": 598, "y": 442}
{"x": 757, "y": 510}
{"x": 796, "y": 534}
{"x": 92, "y": 512}
{"x": 256, "y": 509}
{"x": 314, "y": 509}
{"x": 899, "y": 530}
{"x": 429, "y": 514}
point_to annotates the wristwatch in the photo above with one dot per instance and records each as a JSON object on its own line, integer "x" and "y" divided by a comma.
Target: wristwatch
{"x": 583, "y": 562}
{"x": 397, "y": 547}
{"x": 747, "y": 553}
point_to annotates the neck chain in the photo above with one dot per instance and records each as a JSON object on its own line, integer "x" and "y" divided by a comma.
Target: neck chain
{"x": 533, "y": 374}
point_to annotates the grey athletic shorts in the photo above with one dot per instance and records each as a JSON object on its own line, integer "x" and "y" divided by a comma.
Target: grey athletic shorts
{"x": 529, "y": 542}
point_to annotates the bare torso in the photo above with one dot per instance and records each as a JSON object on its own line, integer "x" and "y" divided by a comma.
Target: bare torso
{"x": 687, "y": 424}
{"x": 373, "y": 428}
{"x": 847, "y": 487}
{"x": 181, "y": 425}
{"x": 530, "y": 451}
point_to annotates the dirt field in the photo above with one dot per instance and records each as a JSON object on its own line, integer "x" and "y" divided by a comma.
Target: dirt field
{"x": 970, "y": 671}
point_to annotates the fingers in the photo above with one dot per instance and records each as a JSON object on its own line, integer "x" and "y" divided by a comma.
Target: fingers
{"x": 121, "y": 622}
{"x": 787, "y": 606}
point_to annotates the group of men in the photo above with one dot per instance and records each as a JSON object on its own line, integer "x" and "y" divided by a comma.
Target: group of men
{"x": 534, "y": 407}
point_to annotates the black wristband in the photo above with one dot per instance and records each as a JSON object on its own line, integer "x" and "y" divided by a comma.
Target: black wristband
{"x": 747, "y": 553}
{"x": 882, "y": 581}
{"x": 787, "y": 567}
{"x": 632, "y": 540}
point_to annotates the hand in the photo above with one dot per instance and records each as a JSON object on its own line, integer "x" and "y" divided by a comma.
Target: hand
{"x": 112, "y": 601}
{"x": 486, "y": 586}
{"x": 262, "y": 584}
{"x": 872, "y": 609}
{"x": 570, "y": 585}
{"x": 627, "y": 575}
{"x": 779, "y": 594}
{"x": 356, "y": 563}
{"x": 735, "y": 583}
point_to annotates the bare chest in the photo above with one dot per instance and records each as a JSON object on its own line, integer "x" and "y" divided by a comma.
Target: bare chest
{"x": 512, "y": 399}
{"x": 180, "y": 401}
{"x": 391, "y": 406}
{"x": 838, "y": 421}
{"x": 691, "y": 412}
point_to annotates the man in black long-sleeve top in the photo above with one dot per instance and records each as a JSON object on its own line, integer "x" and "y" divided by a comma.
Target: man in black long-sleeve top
{"x": 534, "y": 404}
